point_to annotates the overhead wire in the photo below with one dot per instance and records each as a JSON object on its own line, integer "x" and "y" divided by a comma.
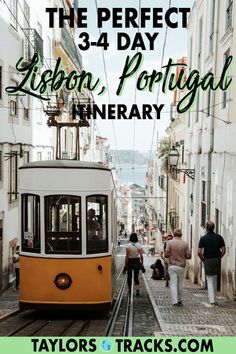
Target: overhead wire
{"x": 108, "y": 92}
{"x": 135, "y": 90}
{"x": 76, "y": 51}
{"x": 158, "y": 92}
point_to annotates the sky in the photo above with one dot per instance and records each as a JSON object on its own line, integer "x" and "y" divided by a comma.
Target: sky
{"x": 132, "y": 134}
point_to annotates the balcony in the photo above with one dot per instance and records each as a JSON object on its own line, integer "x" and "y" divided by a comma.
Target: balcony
{"x": 64, "y": 39}
{"x": 173, "y": 220}
{"x": 229, "y": 12}
{"x": 33, "y": 44}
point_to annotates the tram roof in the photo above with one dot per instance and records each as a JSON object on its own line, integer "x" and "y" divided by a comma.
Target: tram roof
{"x": 66, "y": 164}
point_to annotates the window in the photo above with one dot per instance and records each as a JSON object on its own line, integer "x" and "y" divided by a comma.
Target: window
{"x": 13, "y": 14}
{"x": 26, "y": 157}
{"x": 49, "y": 47}
{"x": 189, "y": 118}
{"x": 1, "y": 166}
{"x": 218, "y": 219}
{"x": 190, "y": 54}
{"x": 182, "y": 152}
{"x": 203, "y": 204}
{"x": 200, "y": 43}
{"x": 30, "y": 219}
{"x": 1, "y": 229}
{"x": 161, "y": 182}
{"x": 13, "y": 108}
{"x": 71, "y": 145}
{"x": 209, "y": 103}
{"x": 96, "y": 225}
{"x": 212, "y": 26}
{"x": 39, "y": 29}
{"x": 13, "y": 195}
{"x": 0, "y": 82}
{"x": 197, "y": 109}
{"x": 26, "y": 105}
{"x": 229, "y": 11}
{"x": 224, "y": 93}
{"x": 62, "y": 224}
{"x": 26, "y": 113}
{"x": 26, "y": 15}
{"x": 13, "y": 104}
{"x": 39, "y": 156}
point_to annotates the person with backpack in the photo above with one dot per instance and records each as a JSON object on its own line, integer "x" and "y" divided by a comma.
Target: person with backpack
{"x": 158, "y": 270}
{"x": 134, "y": 261}
{"x": 166, "y": 261}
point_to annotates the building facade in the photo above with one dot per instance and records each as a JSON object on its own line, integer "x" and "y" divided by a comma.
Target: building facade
{"x": 205, "y": 141}
{"x": 24, "y": 134}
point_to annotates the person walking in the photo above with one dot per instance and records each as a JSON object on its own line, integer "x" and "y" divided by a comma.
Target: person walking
{"x": 211, "y": 249}
{"x": 16, "y": 261}
{"x": 133, "y": 261}
{"x": 177, "y": 250}
{"x": 166, "y": 260}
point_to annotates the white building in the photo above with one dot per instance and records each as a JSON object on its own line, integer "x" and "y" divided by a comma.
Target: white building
{"x": 208, "y": 132}
{"x": 16, "y": 133}
{"x": 24, "y": 134}
{"x": 136, "y": 196}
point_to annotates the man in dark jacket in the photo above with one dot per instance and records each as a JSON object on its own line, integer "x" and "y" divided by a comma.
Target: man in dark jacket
{"x": 211, "y": 249}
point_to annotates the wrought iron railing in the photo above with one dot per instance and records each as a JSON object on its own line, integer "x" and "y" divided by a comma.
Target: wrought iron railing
{"x": 33, "y": 44}
{"x": 229, "y": 12}
{"x": 70, "y": 47}
{"x": 174, "y": 220}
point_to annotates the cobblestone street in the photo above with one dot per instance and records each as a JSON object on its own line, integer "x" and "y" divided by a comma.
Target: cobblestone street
{"x": 8, "y": 302}
{"x": 194, "y": 318}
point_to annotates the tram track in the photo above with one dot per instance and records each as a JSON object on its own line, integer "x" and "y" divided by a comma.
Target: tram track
{"x": 130, "y": 316}
{"x": 134, "y": 316}
{"x": 48, "y": 327}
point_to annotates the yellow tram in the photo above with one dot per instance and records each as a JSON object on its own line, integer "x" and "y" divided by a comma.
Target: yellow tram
{"x": 68, "y": 235}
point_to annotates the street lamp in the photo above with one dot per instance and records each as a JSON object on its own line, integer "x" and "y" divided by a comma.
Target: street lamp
{"x": 173, "y": 158}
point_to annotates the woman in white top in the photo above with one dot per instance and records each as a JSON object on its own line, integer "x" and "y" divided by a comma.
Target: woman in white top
{"x": 133, "y": 260}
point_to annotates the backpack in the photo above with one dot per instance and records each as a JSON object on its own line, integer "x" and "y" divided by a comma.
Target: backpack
{"x": 155, "y": 274}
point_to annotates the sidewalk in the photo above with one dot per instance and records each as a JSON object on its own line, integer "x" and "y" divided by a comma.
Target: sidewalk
{"x": 195, "y": 317}
{"x": 8, "y": 302}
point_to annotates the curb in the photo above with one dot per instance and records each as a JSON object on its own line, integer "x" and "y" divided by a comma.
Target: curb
{"x": 9, "y": 314}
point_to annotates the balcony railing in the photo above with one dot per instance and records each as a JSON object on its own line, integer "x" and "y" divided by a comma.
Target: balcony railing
{"x": 229, "y": 11}
{"x": 70, "y": 47}
{"x": 33, "y": 44}
{"x": 174, "y": 220}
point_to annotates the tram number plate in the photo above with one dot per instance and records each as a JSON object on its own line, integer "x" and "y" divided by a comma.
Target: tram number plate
{"x": 28, "y": 236}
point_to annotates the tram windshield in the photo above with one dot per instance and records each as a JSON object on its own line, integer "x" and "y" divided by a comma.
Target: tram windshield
{"x": 30, "y": 221}
{"x": 62, "y": 224}
{"x": 96, "y": 217}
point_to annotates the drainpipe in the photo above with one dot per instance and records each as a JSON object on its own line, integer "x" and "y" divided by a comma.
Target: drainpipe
{"x": 167, "y": 201}
{"x": 211, "y": 147}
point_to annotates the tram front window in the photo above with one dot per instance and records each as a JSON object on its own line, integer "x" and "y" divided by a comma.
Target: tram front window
{"x": 96, "y": 217}
{"x": 30, "y": 219}
{"x": 62, "y": 224}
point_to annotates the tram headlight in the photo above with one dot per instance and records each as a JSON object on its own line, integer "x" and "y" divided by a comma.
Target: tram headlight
{"x": 63, "y": 281}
